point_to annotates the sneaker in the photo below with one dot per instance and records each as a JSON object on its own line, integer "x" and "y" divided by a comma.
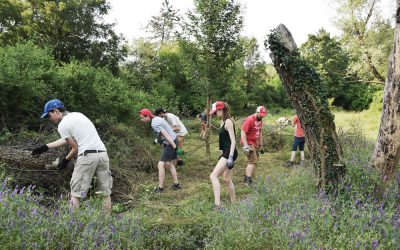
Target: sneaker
{"x": 301, "y": 163}
{"x": 247, "y": 180}
{"x": 217, "y": 208}
{"x": 179, "y": 163}
{"x": 289, "y": 164}
{"x": 176, "y": 186}
{"x": 158, "y": 190}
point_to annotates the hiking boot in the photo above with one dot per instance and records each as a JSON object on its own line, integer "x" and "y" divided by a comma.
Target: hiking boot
{"x": 289, "y": 164}
{"x": 179, "y": 163}
{"x": 247, "y": 180}
{"x": 158, "y": 190}
{"x": 176, "y": 186}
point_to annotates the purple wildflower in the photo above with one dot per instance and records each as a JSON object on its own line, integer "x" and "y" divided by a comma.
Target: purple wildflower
{"x": 375, "y": 244}
{"x": 15, "y": 191}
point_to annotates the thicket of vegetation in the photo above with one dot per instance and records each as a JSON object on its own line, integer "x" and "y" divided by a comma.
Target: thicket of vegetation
{"x": 64, "y": 49}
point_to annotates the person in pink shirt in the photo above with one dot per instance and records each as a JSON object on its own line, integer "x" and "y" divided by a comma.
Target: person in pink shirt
{"x": 299, "y": 140}
{"x": 251, "y": 139}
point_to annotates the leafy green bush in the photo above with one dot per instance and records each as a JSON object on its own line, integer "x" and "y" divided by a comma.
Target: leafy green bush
{"x": 25, "y": 74}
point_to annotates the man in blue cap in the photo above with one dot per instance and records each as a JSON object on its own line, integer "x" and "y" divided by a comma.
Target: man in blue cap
{"x": 77, "y": 131}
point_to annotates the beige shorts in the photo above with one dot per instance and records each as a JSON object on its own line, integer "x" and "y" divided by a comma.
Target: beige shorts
{"x": 85, "y": 168}
{"x": 252, "y": 157}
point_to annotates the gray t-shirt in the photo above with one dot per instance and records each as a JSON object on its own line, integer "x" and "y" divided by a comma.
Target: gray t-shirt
{"x": 158, "y": 123}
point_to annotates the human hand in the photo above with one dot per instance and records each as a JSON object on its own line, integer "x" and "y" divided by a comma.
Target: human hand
{"x": 63, "y": 164}
{"x": 246, "y": 149}
{"x": 40, "y": 150}
{"x": 230, "y": 162}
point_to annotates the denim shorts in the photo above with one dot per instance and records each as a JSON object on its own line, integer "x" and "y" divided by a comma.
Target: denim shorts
{"x": 298, "y": 142}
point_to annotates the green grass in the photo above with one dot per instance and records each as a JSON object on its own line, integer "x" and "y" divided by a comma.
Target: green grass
{"x": 282, "y": 210}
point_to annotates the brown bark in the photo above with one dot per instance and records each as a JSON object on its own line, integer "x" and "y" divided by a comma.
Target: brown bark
{"x": 303, "y": 86}
{"x": 387, "y": 150}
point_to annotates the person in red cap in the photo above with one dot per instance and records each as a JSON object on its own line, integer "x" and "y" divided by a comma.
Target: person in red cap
{"x": 168, "y": 155}
{"x": 251, "y": 139}
{"x": 227, "y": 144}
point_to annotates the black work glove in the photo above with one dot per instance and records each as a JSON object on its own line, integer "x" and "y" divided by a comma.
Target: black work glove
{"x": 40, "y": 150}
{"x": 230, "y": 162}
{"x": 63, "y": 164}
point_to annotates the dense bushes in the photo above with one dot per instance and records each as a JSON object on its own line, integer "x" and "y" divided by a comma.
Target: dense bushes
{"x": 29, "y": 77}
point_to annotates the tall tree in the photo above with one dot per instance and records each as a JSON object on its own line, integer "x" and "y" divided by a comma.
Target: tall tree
{"x": 306, "y": 93}
{"x": 163, "y": 26}
{"x": 327, "y": 56}
{"x": 367, "y": 36}
{"x": 73, "y": 29}
{"x": 215, "y": 26}
{"x": 387, "y": 150}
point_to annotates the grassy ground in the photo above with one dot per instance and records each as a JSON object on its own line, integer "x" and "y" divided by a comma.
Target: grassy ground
{"x": 282, "y": 210}
{"x": 194, "y": 201}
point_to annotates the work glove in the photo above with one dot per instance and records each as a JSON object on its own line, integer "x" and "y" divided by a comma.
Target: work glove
{"x": 63, "y": 164}
{"x": 230, "y": 162}
{"x": 158, "y": 141}
{"x": 40, "y": 150}
{"x": 246, "y": 149}
{"x": 179, "y": 151}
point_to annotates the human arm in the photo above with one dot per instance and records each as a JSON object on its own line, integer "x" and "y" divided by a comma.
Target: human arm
{"x": 45, "y": 147}
{"x": 71, "y": 154}
{"x": 229, "y": 128}
{"x": 168, "y": 138}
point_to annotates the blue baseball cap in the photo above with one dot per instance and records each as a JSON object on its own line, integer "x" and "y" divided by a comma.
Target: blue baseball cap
{"x": 50, "y": 105}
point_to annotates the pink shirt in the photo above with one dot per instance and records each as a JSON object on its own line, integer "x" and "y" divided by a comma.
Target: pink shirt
{"x": 299, "y": 131}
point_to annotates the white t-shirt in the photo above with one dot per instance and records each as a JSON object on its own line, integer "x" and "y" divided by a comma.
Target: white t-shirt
{"x": 78, "y": 126}
{"x": 173, "y": 120}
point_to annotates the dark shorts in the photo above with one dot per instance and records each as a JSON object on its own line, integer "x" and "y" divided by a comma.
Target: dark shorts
{"x": 298, "y": 142}
{"x": 169, "y": 153}
{"x": 225, "y": 154}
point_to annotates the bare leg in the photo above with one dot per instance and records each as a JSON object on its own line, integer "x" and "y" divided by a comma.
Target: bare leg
{"x": 219, "y": 168}
{"x": 229, "y": 184}
{"x": 161, "y": 173}
{"x": 107, "y": 203}
{"x": 172, "y": 170}
{"x": 302, "y": 155}
{"x": 75, "y": 202}
{"x": 250, "y": 169}
{"x": 292, "y": 156}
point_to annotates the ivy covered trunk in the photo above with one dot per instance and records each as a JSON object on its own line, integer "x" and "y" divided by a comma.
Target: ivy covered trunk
{"x": 306, "y": 94}
{"x": 387, "y": 150}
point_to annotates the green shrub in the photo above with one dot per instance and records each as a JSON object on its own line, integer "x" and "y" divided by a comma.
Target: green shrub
{"x": 25, "y": 83}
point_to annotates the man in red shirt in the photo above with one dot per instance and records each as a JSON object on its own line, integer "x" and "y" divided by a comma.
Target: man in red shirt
{"x": 299, "y": 140}
{"x": 251, "y": 139}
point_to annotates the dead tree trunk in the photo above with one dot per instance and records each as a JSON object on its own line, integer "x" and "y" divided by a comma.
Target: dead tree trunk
{"x": 305, "y": 91}
{"x": 386, "y": 155}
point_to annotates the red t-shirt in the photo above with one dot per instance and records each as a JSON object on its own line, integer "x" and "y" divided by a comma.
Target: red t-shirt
{"x": 252, "y": 128}
{"x": 299, "y": 131}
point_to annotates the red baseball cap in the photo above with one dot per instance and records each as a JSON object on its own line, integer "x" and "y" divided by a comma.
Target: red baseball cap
{"x": 262, "y": 111}
{"x": 216, "y": 106}
{"x": 146, "y": 112}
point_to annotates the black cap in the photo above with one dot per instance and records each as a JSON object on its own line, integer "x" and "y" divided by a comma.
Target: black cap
{"x": 158, "y": 111}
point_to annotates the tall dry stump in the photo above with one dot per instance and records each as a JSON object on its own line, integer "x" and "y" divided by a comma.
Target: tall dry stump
{"x": 306, "y": 93}
{"x": 387, "y": 150}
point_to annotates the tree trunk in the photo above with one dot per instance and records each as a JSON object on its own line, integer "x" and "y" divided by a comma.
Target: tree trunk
{"x": 208, "y": 129}
{"x": 305, "y": 91}
{"x": 387, "y": 150}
